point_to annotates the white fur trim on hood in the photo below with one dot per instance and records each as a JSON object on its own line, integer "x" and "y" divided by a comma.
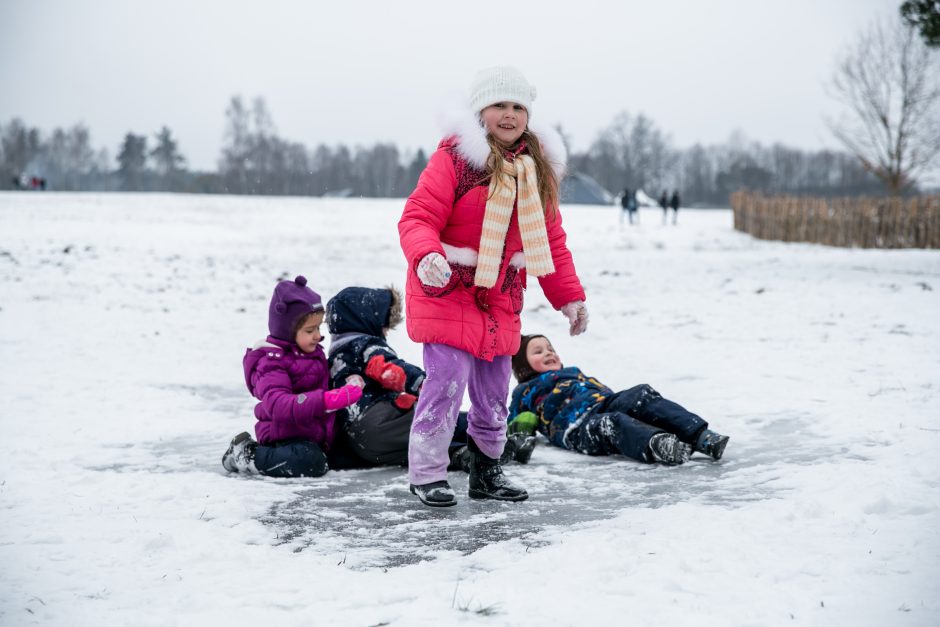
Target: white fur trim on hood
{"x": 472, "y": 144}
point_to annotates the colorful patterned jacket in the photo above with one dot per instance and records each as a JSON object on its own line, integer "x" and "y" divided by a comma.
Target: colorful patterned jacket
{"x": 560, "y": 399}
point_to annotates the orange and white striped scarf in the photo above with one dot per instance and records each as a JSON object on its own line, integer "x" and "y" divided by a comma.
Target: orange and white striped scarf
{"x": 515, "y": 182}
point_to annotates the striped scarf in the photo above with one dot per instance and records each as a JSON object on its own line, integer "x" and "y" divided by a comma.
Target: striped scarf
{"x": 515, "y": 182}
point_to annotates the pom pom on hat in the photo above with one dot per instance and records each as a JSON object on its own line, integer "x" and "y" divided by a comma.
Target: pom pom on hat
{"x": 292, "y": 300}
{"x": 500, "y": 84}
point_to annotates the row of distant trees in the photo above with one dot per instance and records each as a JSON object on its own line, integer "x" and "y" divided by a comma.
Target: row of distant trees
{"x": 631, "y": 152}
{"x": 253, "y": 160}
{"x": 889, "y": 84}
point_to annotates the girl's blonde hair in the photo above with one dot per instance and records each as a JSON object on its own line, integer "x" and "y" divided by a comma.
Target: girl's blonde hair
{"x": 548, "y": 182}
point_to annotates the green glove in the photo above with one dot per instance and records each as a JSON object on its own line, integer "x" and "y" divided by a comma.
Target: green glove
{"x": 525, "y": 422}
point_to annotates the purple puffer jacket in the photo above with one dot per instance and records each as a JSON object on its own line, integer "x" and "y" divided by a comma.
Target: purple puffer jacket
{"x": 290, "y": 385}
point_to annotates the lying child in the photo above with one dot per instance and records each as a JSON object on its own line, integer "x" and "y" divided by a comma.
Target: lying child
{"x": 580, "y": 413}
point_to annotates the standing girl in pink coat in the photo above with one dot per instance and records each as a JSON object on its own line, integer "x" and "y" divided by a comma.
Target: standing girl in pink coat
{"x": 483, "y": 216}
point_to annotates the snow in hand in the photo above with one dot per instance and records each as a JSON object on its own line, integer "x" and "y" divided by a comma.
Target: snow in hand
{"x": 124, "y": 318}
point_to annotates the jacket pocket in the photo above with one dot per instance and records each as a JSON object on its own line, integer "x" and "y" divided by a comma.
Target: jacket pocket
{"x": 512, "y": 284}
{"x": 459, "y": 275}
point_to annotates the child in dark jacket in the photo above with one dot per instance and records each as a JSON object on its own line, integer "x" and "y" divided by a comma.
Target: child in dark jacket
{"x": 287, "y": 373}
{"x": 377, "y": 427}
{"x": 580, "y": 413}
{"x": 378, "y": 424}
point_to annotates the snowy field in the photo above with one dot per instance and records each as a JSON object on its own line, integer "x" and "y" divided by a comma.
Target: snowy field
{"x": 124, "y": 318}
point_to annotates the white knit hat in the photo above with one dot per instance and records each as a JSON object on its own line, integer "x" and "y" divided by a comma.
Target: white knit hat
{"x": 500, "y": 84}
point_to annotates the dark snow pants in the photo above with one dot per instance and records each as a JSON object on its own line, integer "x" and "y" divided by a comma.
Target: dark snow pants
{"x": 379, "y": 436}
{"x": 295, "y": 457}
{"x": 626, "y": 421}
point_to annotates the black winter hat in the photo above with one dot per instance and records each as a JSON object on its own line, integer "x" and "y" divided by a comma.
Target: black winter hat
{"x": 520, "y": 365}
{"x": 364, "y": 310}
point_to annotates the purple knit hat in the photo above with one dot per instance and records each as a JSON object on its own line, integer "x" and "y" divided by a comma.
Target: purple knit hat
{"x": 292, "y": 300}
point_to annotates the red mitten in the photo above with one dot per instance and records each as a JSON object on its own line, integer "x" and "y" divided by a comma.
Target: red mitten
{"x": 341, "y": 397}
{"x": 389, "y": 376}
{"x": 405, "y": 400}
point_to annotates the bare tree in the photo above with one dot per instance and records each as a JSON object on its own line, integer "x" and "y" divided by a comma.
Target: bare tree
{"x": 233, "y": 164}
{"x": 925, "y": 16}
{"x": 166, "y": 155}
{"x": 890, "y": 83}
{"x": 19, "y": 147}
{"x": 630, "y": 151}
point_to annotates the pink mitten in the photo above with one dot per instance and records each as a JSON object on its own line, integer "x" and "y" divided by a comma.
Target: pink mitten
{"x": 341, "y": 397}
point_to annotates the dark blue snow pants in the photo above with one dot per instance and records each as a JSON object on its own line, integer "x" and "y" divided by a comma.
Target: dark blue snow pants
{"x": 295, "y": 457}
{"x": 626, "y": 421}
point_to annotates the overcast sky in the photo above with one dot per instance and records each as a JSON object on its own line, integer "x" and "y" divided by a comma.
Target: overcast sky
{"x": 359, "y": 72}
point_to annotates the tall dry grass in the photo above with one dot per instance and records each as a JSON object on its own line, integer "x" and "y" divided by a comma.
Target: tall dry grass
{"x": 860, "y": 222}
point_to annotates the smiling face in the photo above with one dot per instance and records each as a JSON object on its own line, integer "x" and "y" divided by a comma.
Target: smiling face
{"x": 308, "y": 336}
{"x": 541, "y": 355}
{"x": 505, "y": 121}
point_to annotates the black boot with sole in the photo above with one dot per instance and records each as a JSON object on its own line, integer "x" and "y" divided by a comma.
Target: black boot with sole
{"x": 487, "y": 480}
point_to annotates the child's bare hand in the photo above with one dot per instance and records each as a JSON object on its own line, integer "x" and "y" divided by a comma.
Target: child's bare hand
{"x": 433, "y": 270}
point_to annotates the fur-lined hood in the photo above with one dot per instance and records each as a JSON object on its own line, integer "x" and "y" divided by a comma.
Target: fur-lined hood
{"x": 470, "y": 139}
{"x": 364, "y": 310}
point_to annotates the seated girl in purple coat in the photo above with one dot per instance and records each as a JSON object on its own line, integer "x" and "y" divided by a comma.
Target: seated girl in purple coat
{"x": 578, "y": 412}
{"x": 288, "y": 374}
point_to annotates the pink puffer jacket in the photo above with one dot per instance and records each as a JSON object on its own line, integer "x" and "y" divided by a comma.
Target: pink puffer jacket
{"x": 445, "y": 215}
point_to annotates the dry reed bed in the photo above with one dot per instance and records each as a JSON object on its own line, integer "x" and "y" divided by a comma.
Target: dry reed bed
{"x": 860, "y": 222}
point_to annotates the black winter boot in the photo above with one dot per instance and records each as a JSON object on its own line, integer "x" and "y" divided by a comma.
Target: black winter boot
{"x": 711, "y": 443}
{"x": 435, "y": 494}
{"x": 487, "y": 480}
{"x": 519, "y": 447}
{"x": 240, "y": 456}
{"x": 460, "y": 459}
{"x": 667, "y": 448}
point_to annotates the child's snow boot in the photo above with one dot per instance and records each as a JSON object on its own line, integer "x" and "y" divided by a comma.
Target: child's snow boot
{"x": 460, "y": 459}
{"x": 666, "y": 448}
{"x": 711, "y": 443}
{"x": 435, "y": 494}
{"x": 240, "y": 456}
{"x": 487, "y": 480}
{"x": 519, "y": 447}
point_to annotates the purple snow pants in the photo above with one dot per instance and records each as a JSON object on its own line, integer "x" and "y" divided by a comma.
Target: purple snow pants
{"x": 449, "y": 372}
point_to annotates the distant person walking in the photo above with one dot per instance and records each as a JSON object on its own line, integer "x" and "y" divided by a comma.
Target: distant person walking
{"x": 628, "y": 204}
{"x": 674, "y": 203}
{"x": 664, "y": 203}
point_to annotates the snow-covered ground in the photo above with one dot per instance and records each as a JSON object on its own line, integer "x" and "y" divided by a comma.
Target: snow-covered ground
{"x": 124, "y": 318}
